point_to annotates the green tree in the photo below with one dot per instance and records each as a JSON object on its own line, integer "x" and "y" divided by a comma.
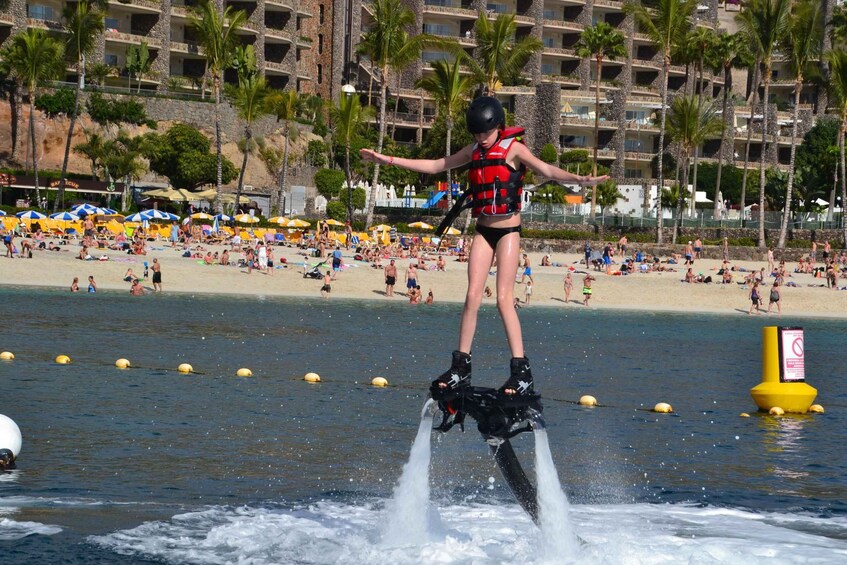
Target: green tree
{"x": 500, "y": 57}
{"x": 450, "y": 89}
{"x": 605, "y": 194}
{"x": 702, "y": 39}
{"x": 123, "y": 160}
{"x": 576, "y": 158}
{"x": 764, "y": 23}
{"x": 348, "y": 120}
{"x": 82, "y": 24}
{"x": 329, "y": 182}
{"x": 548, "y": 153}
{"x": 689, "y": 125}
{"x": 248, "y": 99}
{"x": 284, "y": 105}
{"x": 183, "y": 155}
{"x": 802, "y": 45}
{"x": 93, "y": 149}
{"x": 666, "y": 24}
{"x": 817, "y": 159}
{"x": 837, "y": 59}
{"x": 599, "y": 41}
{"x": 217, "y": 34}
{"x": 32, "y": 58}
{"x": 138, "y": 63}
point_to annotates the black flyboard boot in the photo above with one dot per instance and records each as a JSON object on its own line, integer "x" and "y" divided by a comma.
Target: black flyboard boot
{"x": 520, "y": 379}
{"x": 457, "y": 377}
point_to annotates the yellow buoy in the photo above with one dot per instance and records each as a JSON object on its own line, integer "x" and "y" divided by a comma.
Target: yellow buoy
{"x": 122, "y": 363}
{"x": 783, "y": 374}
{"x": 185, "y": 368}
{"x": 663, "y": 408}
{"x": 744, "y": 415}
{"x": 312, "y": 378}
{"x": 776, "y": 411}
{"x": 816, "y": 409}
{"x": 587, "y": 400}
{"x": 244, "y": 372}
{"x": 63, "y": 359}
{"x": 7, "y": 355}
{"x": 379, "y": 381}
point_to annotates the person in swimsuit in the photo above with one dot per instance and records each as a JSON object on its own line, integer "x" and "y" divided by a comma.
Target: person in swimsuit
{"x": 498, "y": 160}
{"x": 92, "y": 286}
{"x": 568, "y": 286}
{"x": 586, "y": 289}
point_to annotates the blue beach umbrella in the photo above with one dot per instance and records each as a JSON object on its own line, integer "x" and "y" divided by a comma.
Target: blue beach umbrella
{"x": 172, "y": 216}
{"x": 2, "y": 213}
{"x": 137, "y": 217}
{"x": 223, "y": 217}
{"x": 30, "y": 215}
{"x": 64, "y": 217}
{"x": 154, "y": 214}
{"x": 87, "y": 210}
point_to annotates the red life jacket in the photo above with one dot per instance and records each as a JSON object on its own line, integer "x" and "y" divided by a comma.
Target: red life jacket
{"x": 496, "y": 187}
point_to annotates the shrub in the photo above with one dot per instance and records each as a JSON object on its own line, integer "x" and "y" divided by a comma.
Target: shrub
{"x": 58, "y": 102}
{"x": 336, "y": 210}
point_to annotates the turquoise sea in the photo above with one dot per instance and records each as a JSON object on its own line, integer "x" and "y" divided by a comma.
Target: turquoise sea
{"x": 151, "y": 466}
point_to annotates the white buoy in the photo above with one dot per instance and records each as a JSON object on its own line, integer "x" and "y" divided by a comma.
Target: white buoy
{"x": 587, "y": 400}
{"x": 663, "y": 408}
{"x": 63, "y": 359}
{"x": 122, "y": 363}
{"x": 744, "y": 415}
{"x": 7, "y": 355}
{"x": 379, "y": 381}
{"x": 312, "y": 378}
{"x": 10, "y": 435}
{"x": 244, "y": 372}
{"x": 776, "y": 411}
{"x": 816, "y": 409}
{"x": 185, "y": 368}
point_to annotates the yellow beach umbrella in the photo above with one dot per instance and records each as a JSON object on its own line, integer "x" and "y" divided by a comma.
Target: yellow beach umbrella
{"x": 334, "y": 222}
{"x": 281, "y": 220}
{"x": 386, "y": 237}
{"x": 202, "y": 216}
{"x": 421, "y": 226}
{"x": 380, "y": 227}
{"x": 297, "y": 223}
{"x": 452, "y": 231}
{"x": 246, "y": 219}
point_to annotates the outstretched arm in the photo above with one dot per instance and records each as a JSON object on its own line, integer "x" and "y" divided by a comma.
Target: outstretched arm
{"x": 429, "y": 166}
{"x": 525, "y": 156}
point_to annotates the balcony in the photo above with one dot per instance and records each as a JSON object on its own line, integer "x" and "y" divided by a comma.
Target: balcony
{"x": 180, "y": 12}
{"x": 615, "y": 4}
{"x": 186, "y": 48}
{"x": 51, "y": 25}
{"x": 560, "y": 52}
{"x": 462, "y": 13}
{"x": 560, "y": 79}
{"x": 138, "y": 6}
{"x": 277, "y": 68}
{"x": 304, "y": 42}
{"x": 303, "y": 71}
{"x": 565, "y": 25}
{"x": 114, "y": 36}
{"x": 277, "y": 35}
{"x": 287, "y": 4}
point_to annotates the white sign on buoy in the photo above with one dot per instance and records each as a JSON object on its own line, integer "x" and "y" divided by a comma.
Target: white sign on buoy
{"x": 792, "y": 367}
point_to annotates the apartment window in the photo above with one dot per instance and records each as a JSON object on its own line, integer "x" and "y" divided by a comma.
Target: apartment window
{"x": 111, "y": 60}
{"x": 547, "y": 69}
{"x": 497, "y": 8}
{"x": 429, "y": 56}
{"x": 320, "y": 74}
{"x": 632, "y": 173}
{"x": 112, "y": 23}
{"x": 442, "y": 3}
{"x": 632, "y": 145}
{"x": 320, "y": 43}
{"x": 638, "y": 115}
{"x": 321, "y": 13}
{"x": 40, "y": 12}
{"x": 438, "y": 29}
{"x": 551, "y": 15}
{"x": 549, "y": 42}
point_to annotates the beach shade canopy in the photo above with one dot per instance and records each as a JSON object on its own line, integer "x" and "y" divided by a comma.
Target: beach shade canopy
{"x": 154, "y": 214}
{"x": 64, "y": 217}
{"x": 223, "y": 217}
{"x": 297, "y": 223}
{"x": 421, "y": 226}
{"x": 246, "y": 219}
{"x": 30, "y": 215}
{"x": 172, "y": 194}
{"x": 88, "y": 210}
{"x": 281, "y": 220}
{"x": 380, "y": 227}
{"x": 334, "y": 222}
{"x": 201, "y": 216}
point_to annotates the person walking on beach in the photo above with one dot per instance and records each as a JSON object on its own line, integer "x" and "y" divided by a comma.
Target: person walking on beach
{"x": 498, "y": 161}
{"x": 156, "y": 267}
{"x": 528, "y": 292}
{"x": 9, "y": 242}
{"x": 262, "y": 253}
{"x": 327, "y": 287}
{"x": 775, "y": 298}
{"x": 586, "y": 289}
{"x": 390, "y": 278}
{"x": 568, "y": 286}
{"x": 726, "y": 249}
{"x": 755, "y": 299}
{"x": 270, "y": 260}
{"x": 348, "y": 235}
{"x": 527, "y": 268}
{"x": 770, "y": 259}
{"x": 411, "y": 276}
{"x": 689, "y": 254}
{"x": 587, "y": 250}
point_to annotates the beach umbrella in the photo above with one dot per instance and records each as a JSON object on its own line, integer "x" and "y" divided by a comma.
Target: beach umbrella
{"x": 223, "y": 217}
{"x": 171, "y": 216}
{"x": 137, "y": 217}
{"x": 201, "y": 216}
{"x": 87, "y": 210}
{"x": 421, "y": 226}
{"x": 154, "y": 214}
{"x": 215, "y": 226}
{"x": 64, "y": 217}
{"x": 452, "y": 231}
{"x": 246, "y": 219}
{"x": 333, "y": 222}
{"x": 2, "y": 213}
{"x": 297, "y": 223}
{"x": 30, "y": 215}
{"x": 380, "y": 227}
{"x": 110, "y": 212}
{"x": 281, "y": 220}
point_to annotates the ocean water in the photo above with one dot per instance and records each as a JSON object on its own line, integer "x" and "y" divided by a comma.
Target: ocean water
{"x": 151, "y": 466}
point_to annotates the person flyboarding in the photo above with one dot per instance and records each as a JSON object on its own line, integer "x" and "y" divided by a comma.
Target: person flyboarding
{"x": 498, "y": 161}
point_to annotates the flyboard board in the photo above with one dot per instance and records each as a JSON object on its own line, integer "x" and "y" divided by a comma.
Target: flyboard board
{"x": 498, "y": 418}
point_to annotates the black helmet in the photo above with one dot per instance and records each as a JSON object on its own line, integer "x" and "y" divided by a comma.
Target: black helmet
{"x": 485, "y": 114}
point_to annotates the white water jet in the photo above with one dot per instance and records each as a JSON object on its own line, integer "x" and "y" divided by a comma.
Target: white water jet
{"x": 558, "y": 538}
{"x": 407, "y": 513}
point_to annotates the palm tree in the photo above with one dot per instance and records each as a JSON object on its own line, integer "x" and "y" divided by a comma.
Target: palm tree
{"x": 449, "y": 89}
{"x": 599, "y": 41}
{"x": 501, "y": 57}
{"x": 837, "y": 59}
{"x": 285, "y": 106}
{"x": 666, "y": 25}
{"x": 729, "y": 51}
{"x": 802, "y": 46}
{"x": 93, "y": 149}
{"x": 138, "y": 63}
{"x": 764, "y": 23}
{"x": 349, "y": 120}
{"x": 390, "y": 46}
{"x": 82, "y": 26}
{"x": 690, "y": 123}
{"x": 32, "y": 58}
{"x": 702, "y": 39}
{"x": 123, "y": 161}
{"x": 217, "y": 35}
{"x": 248, "y": 99}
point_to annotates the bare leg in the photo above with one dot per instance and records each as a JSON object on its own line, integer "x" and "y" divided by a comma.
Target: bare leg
{"x": 508, "y": 251}
{"x": 479, "y": 262}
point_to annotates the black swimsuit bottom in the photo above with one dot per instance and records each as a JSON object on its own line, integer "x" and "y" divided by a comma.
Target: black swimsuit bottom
{"x": 493, "y": 235}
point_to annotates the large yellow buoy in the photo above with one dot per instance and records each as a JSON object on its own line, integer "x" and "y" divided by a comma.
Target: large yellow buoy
{"x": 816, "y": 409}
{"x": 783, "y": 372}
{"x": 663, "y": 408}
{"x": 587, "y": 400}
{"x": 379, "y": 381}
{"x": 63, "y": 359}
{"x": 185, "y": 368}
{"x": 7, "y": 355}
{"x": 122, "y": 363}
{"x": 244, "y": 372}
{"x": 312, "y": 378}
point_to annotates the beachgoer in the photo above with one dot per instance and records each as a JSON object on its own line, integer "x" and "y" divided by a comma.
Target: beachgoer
{"x": 92, "y": 286}
{"x": 337, "y": 262}
{"x": 136, "y": 289}
{"x": 157, "y": 275}
{"x": 348, "y": 235}
{"x": 586, "y": 289}
{"x": 498, "y": 160}
{"x": 440, "y": 263}
{"x": 527, "y": 268}
{"x": 568, "y": 282}
{"x": 689, "y": 254}
{"x": 411, "y": 276}
{"x": 225, "y": 258}
{"x": 327, "y": 288}
{"x": 726, "y": 249}
{"x": 755, "y": 299}
{"x": 262, "y": 252}
{"x": 129, "y": 276}
{"x": 429, "y": 297}
{"x": 75, "y": 285}
{"x": 270, "y": 259}
{"x": 8, "y": 241}
{"x": 545, "y": 261}
{"x": 813, "y": 255}
{"x": 174, "y": 234}
{"x": 775, "y": 298}
{"x": 586, "y": 248}
{"x": 622, "y": 245}
{"x": 390, "y": 278}
{"x": 698, "y": 249}
{"x": 770, "y": 259}
{"x": 528, "y": 292}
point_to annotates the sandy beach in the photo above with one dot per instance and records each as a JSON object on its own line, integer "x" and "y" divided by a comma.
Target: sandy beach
{"x": 662, "y": 291}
